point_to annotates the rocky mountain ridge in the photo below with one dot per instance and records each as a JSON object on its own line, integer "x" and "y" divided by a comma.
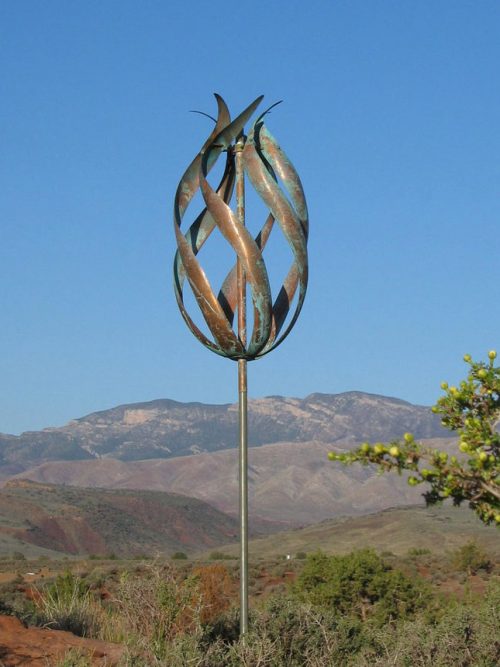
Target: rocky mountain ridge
{"x": 164, "y": 428}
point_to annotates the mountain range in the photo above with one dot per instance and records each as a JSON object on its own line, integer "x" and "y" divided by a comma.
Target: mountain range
{"x": 189, "y": 449}
{"x": 290, "y": 483}
{"x": 164, "y": 428}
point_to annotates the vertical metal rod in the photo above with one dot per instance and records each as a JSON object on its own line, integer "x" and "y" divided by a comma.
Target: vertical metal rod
{"x": 243, "y": 484}
{"x": 242, "y": 399}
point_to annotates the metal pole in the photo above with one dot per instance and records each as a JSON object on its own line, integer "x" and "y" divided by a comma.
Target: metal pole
{"x": 242, "y": 400}
{"x": 243, "y": 480}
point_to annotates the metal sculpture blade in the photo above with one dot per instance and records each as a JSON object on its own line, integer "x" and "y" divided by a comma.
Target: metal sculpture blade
{"x": 278, "y": 185}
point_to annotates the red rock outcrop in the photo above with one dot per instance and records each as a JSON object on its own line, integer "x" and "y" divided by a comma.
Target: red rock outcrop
{"x": 38, "y": 647}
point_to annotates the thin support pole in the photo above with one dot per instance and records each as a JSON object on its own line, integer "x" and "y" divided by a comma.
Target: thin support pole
{"x": 243, "y": 484}
{"x": 242, "y": 399}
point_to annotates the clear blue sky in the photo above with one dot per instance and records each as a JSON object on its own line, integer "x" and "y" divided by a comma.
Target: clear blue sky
{"x": 391, "y": 116}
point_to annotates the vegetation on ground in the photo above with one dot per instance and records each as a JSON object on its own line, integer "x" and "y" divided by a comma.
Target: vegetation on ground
{"x": 350, "y": 610}
{"x": 472, "y": 411}
{"x": 362, "y": 585}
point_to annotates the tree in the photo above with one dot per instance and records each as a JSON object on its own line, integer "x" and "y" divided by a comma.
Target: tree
{"x": 472, "y": 411}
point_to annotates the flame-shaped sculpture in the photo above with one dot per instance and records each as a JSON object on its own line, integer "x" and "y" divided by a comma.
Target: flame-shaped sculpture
{"x": 266, "y": 167}
{"x": 276, "y": 182}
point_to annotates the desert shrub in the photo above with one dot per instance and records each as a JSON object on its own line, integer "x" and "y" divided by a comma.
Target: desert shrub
{"x": 219, "y": 555}
{"x": 470, "y": 558}
{"x": 67, "y": 604}
{"x": 179, "y": 555}
{"x": 217, "y": 590}
{"x": 156, "y": 609}
{"x": 466, "y": 636}
{"x": 68, "y": 585}
{"x": 168, "y": 630}
{"x": 300, "y": 633}
{"x": 5, "y": 607}
{"x": 361, "y": 584}
{"x": 74, "y": 658}
{"x": 283, "y": 631}
{"x": 419, "y": 551}
{"x": 301, "y": 555}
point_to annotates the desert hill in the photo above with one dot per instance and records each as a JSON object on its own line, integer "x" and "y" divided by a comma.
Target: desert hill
{"x": 439, "y": 529}
{"x": 40, "y": 519}
{"x": 292, "y": 483}
{"x": 189, "y": 448}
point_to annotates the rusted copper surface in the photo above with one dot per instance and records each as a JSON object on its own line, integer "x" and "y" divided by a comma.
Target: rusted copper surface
{"x": 266, "y": 167}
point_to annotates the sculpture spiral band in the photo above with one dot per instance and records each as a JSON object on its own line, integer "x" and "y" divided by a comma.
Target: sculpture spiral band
{"x": 278, "y": 185}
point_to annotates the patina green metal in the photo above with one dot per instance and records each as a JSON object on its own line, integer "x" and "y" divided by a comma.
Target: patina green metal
{"x": 258, "y": 159}
{"x": 266, "y": 166}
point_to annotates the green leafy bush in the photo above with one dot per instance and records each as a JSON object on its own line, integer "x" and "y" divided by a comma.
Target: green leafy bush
{"x": 361, "y": 584}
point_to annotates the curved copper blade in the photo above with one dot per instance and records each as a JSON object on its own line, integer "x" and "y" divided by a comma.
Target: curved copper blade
{"x": 185, "y": 263}
{"x": 250, "y": 256}
{"x": 228, "y": 295}
{"x": 262, "y": 156}
{"x": 278, "y": 184}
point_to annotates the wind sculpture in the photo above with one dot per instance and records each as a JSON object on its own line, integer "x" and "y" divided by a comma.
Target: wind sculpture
{"x": 260, "y": 160}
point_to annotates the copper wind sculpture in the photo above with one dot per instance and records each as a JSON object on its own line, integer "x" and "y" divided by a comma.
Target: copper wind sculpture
{"x": 256, "y": 158}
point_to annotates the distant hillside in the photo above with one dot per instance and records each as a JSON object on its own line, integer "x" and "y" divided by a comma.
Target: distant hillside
{"x": 45, "y": 518}
{"x": 165, "y": 428}
{"x": 439, "y": 529}
{"x": 289, "y": 482}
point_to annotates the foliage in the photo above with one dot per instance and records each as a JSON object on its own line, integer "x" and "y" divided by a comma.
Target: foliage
{"x": 465, "y": 637}
{"x": 363, "y": 585}
{"x": 419, "y": 551}
{"x": 179, "y": 555}
{"x": 220, "y": 555}
{"x": 352, "y": 611}
{"x": 471, "y": 558}
{"x": 471, "y": 410}
{"x": 67, "y": 604}
{"x": 283, "y": 632}
{"x": 74, "y": 658}
{"x": 216, "y": 588}
{"x": 156, "y": 608}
